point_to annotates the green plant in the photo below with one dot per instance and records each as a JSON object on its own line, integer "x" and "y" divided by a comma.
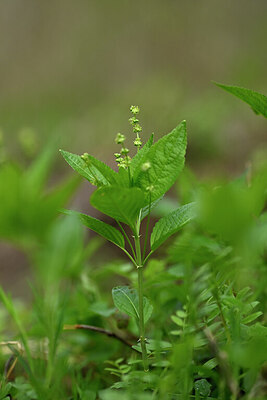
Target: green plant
{"x": 128, "y": 196}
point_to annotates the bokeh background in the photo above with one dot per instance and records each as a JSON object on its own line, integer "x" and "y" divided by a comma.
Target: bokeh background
{"x": 70, "y": 70}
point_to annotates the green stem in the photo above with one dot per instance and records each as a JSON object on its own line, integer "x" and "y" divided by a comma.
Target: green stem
{"x": 127, "y": 238}
{"x": 140, "y": 296}
{"x": 147, "y": 228}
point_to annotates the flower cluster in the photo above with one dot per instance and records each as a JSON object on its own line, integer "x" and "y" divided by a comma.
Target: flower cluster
{"x": 123, "y": 159}
{"x": 136, "y": 126}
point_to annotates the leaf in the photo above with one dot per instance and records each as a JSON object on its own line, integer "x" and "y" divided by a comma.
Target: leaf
{"x": 123, "y": 204}
{"x": 202, "y": 387}
{"x": 145, "y": 210}
{"x": 166, "y": 160}
{"x": 251, "y": 317}
{"x": 126, "y": 300}
{"x": 210, "y": 364}
{"x": 36, "y": 175}
{"x": 154, "y": 345}
{"x": 178, "y": 321}
{"x": 170, "y": 224}
{"x": 95, "y": 171}
{"x": 257, "y": 101}
{"x": 107, "y": 231}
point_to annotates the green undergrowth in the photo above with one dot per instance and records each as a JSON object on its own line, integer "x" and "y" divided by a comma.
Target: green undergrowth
{"x": 165, "y": 300}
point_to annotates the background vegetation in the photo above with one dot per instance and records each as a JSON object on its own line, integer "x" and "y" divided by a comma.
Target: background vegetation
{"x": 69, "y": 72}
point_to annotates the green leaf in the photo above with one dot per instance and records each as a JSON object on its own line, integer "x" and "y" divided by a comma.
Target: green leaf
{"x": 123, "y": 204}
{"x": 178, "y": 321}
{"x": 166, "y": 160}
{"x": 202, "y": 387}
{"x": 170, "y": 224}
{"x": 107, "y": 231}
{"x": 211, "y": 364}
{"x": 95, "y": 171}
{"x": 146, "y": 209}
{"x": 37, "y": 173}
{"x": 257, "y": 101}
{"x": 126, "y": 300}
{"x": 251, "y": 317}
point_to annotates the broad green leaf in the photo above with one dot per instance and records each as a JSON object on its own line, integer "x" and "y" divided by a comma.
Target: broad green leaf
{"x": 138, "y": 159}
{"x": 257, "y": 101}
{"x": 170, "y": 224}
{"x": 95, "y": 171}
{"x": 123, "y": 204}
{"x": 165, "y": 159}
{"x": 107, "y": 231}
{"x": 126, "y": 300}
{"x": 123, "y": 178}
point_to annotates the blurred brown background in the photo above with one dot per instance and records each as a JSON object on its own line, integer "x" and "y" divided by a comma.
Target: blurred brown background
{"x": 72, "y": 68}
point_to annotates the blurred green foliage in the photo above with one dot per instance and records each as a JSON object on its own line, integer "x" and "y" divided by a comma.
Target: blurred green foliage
{"x": 207, "y": 336}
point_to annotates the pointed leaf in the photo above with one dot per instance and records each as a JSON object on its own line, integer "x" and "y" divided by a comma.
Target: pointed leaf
{"x": 126, "y": 300}
{"x": 166, "y": 160}
{"x": 123, "y": 204}
{"x": 251, "y": 317}
{"x": 95, "y": 171}
{"x": 36, "y": 175}
{"x": 170, "y": 224}
{"x": 257, "y": 101}
{"x": 107, "y": 231}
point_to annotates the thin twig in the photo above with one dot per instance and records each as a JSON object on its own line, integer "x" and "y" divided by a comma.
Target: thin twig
{"x": 100, "y": 330}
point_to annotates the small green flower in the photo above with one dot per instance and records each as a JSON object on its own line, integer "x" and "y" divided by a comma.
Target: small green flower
{"x": 120, "y": 138}
{"x": 85, "y": 157}
{"x": 124, "y": 151}
{"x": 150, "y": 188}
{"x": 137, "y": 142}
{"x": 146, "y": 166}
{"x": 134, "y": 110}
{"x": 133, "y": 120}
{"x": 137, "y": 128}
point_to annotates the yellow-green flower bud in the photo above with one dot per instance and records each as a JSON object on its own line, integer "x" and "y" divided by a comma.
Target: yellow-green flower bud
{"x": 85, "y": 157}
{"x": 137, "y": 128}
{"x": 124, "y": 151}
{"x": 146, "y": 166}
{"x": 134, "y": 110}
{"x": 137, "y": 142}
{"x": 150, "y": 188}
{"x": 119, "y": 138}
{"x": 133, "y": 120}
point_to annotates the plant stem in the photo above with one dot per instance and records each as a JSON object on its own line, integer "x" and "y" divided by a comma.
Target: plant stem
{"x": 147, "y": 228}
{"x": 127, "y": 238}
{"x": 141, "y": 319}
{"x": 99, "y": 330}
{"x": 140, "y": 296}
